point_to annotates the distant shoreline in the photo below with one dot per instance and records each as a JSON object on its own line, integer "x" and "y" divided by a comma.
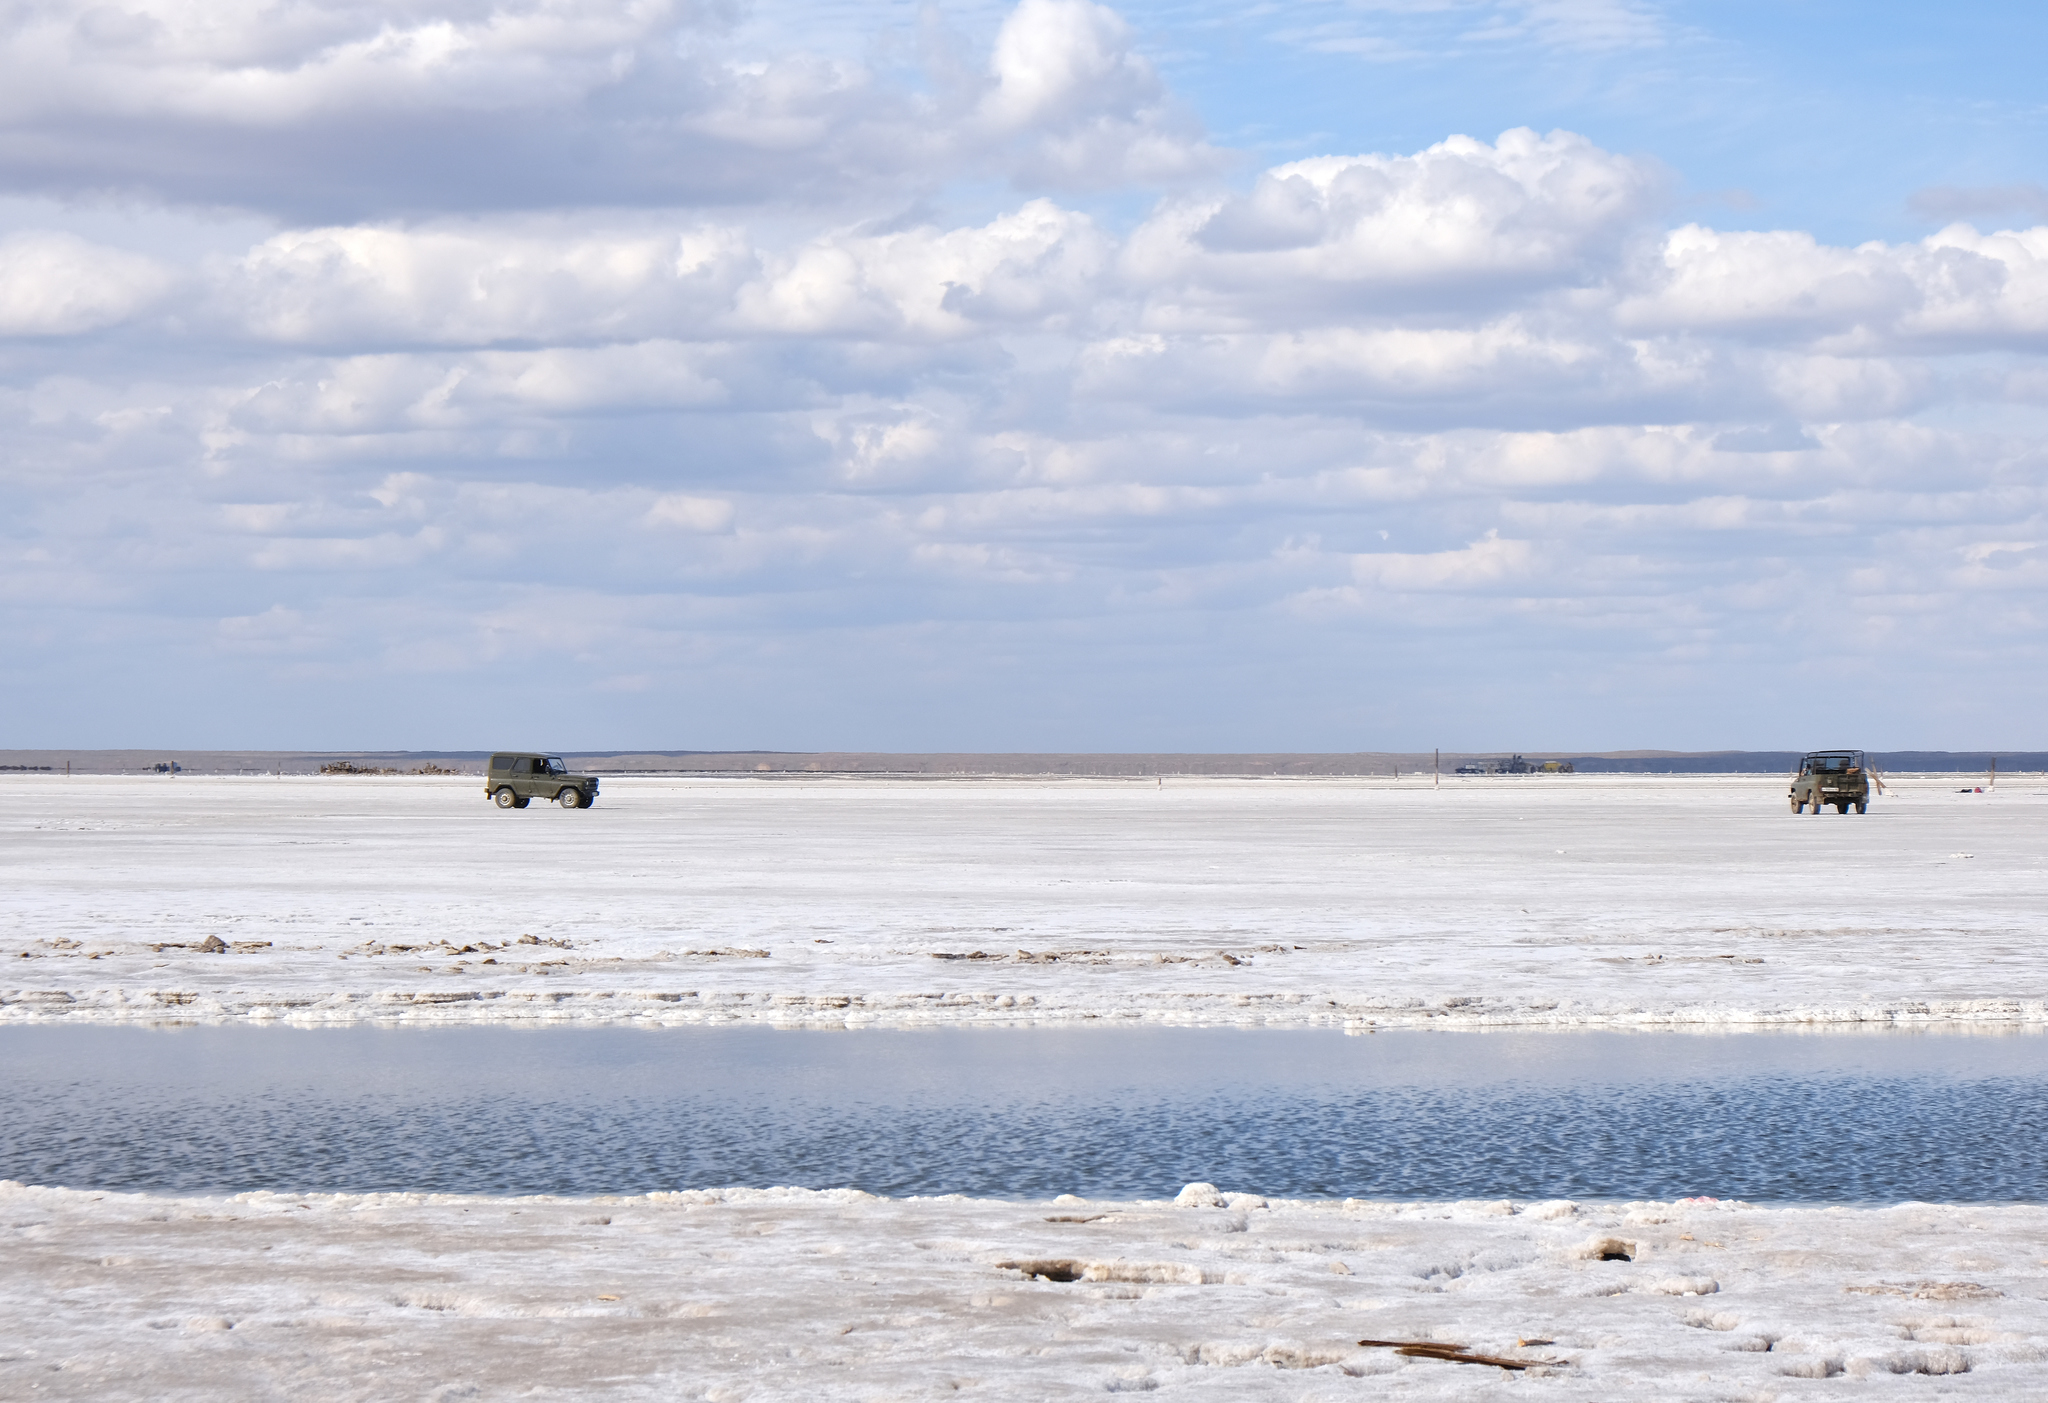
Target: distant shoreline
{"x": 1383, "y": 764}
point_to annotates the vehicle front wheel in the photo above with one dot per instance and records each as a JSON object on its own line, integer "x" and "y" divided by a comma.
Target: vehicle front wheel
{"x": 570, "y": 798}
{"x": 505, "y": 798}
{"x": 1796, "y": 805}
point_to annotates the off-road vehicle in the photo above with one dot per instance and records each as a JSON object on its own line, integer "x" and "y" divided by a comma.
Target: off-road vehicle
{"x": 1837, "y": 777}
{"x": 519, "y": 776}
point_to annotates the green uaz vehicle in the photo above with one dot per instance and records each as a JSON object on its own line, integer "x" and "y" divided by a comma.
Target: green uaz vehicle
{"x": 518, "y": 777}
{"x": 1837, "y": 777}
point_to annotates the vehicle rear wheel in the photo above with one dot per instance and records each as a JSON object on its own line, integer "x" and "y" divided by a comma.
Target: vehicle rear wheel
{"x": 570, "y": 798}
{"x": 1841, "y": 806}
{"x": 1862, "y": 806}
{"x": 505, "y": 798}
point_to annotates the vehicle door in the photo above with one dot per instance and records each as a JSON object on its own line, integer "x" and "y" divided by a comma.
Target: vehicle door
{"x": 549, "y": 778}
{"x": 527, "y": 782}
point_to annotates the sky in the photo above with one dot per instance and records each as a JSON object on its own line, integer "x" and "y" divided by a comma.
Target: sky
{"x": 1329, "y": 376}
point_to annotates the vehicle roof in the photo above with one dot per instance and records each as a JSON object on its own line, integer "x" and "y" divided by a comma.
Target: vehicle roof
{"x": 1811, "y": 753}
{"x": 537, "y": 754}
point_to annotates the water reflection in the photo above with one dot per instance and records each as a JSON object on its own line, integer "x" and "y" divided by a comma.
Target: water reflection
{"x": 1100, "y": 1112}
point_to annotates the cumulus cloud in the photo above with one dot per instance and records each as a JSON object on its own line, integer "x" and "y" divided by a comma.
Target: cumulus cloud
{"x": 1458, "y": 225}
{"x": 1958, "y": 286}
{"x": 343, "y": 109}
{"x": 470, "y": 285}
{"x": 1096, "y": 113}
{"x": 54, "y": 284}
{"x": 1039, "y": 266}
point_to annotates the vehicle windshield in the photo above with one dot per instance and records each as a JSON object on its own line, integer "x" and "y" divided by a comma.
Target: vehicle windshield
{"x": 556, "y": 767}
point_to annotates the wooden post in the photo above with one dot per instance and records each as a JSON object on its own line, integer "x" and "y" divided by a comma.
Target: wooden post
{"x": 1436, "y": 770}
{"x": 1994, "y": 773}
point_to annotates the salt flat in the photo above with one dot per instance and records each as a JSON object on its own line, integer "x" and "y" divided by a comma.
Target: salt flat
{"x": 1559, "y": 900}
{"x": 785, "y": 1293}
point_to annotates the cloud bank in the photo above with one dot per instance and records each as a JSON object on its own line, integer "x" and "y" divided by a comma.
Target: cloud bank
{"x": 599, "y": 375}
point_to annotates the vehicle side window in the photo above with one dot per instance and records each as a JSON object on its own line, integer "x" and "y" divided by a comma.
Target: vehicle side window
{"x": 555, "y": 766}
{"x": 501, "y": 762}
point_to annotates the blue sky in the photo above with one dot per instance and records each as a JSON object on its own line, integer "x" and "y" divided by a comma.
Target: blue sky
{"x": 1827, "y": 117}
{"x": 1563, "y": 373}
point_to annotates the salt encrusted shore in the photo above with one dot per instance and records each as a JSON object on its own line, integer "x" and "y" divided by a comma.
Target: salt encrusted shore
{"x": 786, "y": 1293}
{"x": 1571, "y": 901}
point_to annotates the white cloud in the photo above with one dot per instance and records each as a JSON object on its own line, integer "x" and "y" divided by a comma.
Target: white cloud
{"x": 1060, "y": 58}
{"x": 55, "y": 284}
{"x": 1461, "y": 224}
{"x": 389, "y": 393}
{"x": 1065, "y": 74}
{"x": 1957, "y": 287}
{"x": 257, "y": 64}
{"x": 351, "y": 109}
{"x": 1483, "y": 564}
{"x": 477, "y": 285}
{"x": 1038, "y": 265}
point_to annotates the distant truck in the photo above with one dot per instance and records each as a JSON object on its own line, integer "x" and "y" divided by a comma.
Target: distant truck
{"x": 517, "y": 777}
{"x": 1837, "y": 777}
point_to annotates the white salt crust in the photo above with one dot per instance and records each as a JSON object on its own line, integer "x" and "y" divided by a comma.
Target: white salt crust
{"x": 1582, "y": 901}
{"x": 785, "y": 1293}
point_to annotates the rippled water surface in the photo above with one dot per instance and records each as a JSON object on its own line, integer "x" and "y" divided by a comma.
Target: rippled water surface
{"x": 1102, "y": 1112}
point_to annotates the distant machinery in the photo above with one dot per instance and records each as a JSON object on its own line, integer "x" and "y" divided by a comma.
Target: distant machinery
{"x": 1516, "y": 766}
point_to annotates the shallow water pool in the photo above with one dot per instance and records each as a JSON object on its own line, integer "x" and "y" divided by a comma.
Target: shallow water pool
{"x": 1123, "y": 1112}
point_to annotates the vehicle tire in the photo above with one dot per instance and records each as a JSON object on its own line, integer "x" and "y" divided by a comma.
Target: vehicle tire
{"x": 505, "y": 798}
{"x": 1862, "y": 806}
{"x": 1796, "y": 805}
{"x": 1818, "y": 806}
{"x": 570, "y": 798}
{"x": 521, "y": 802}
{"x": 1842, "y": 806}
